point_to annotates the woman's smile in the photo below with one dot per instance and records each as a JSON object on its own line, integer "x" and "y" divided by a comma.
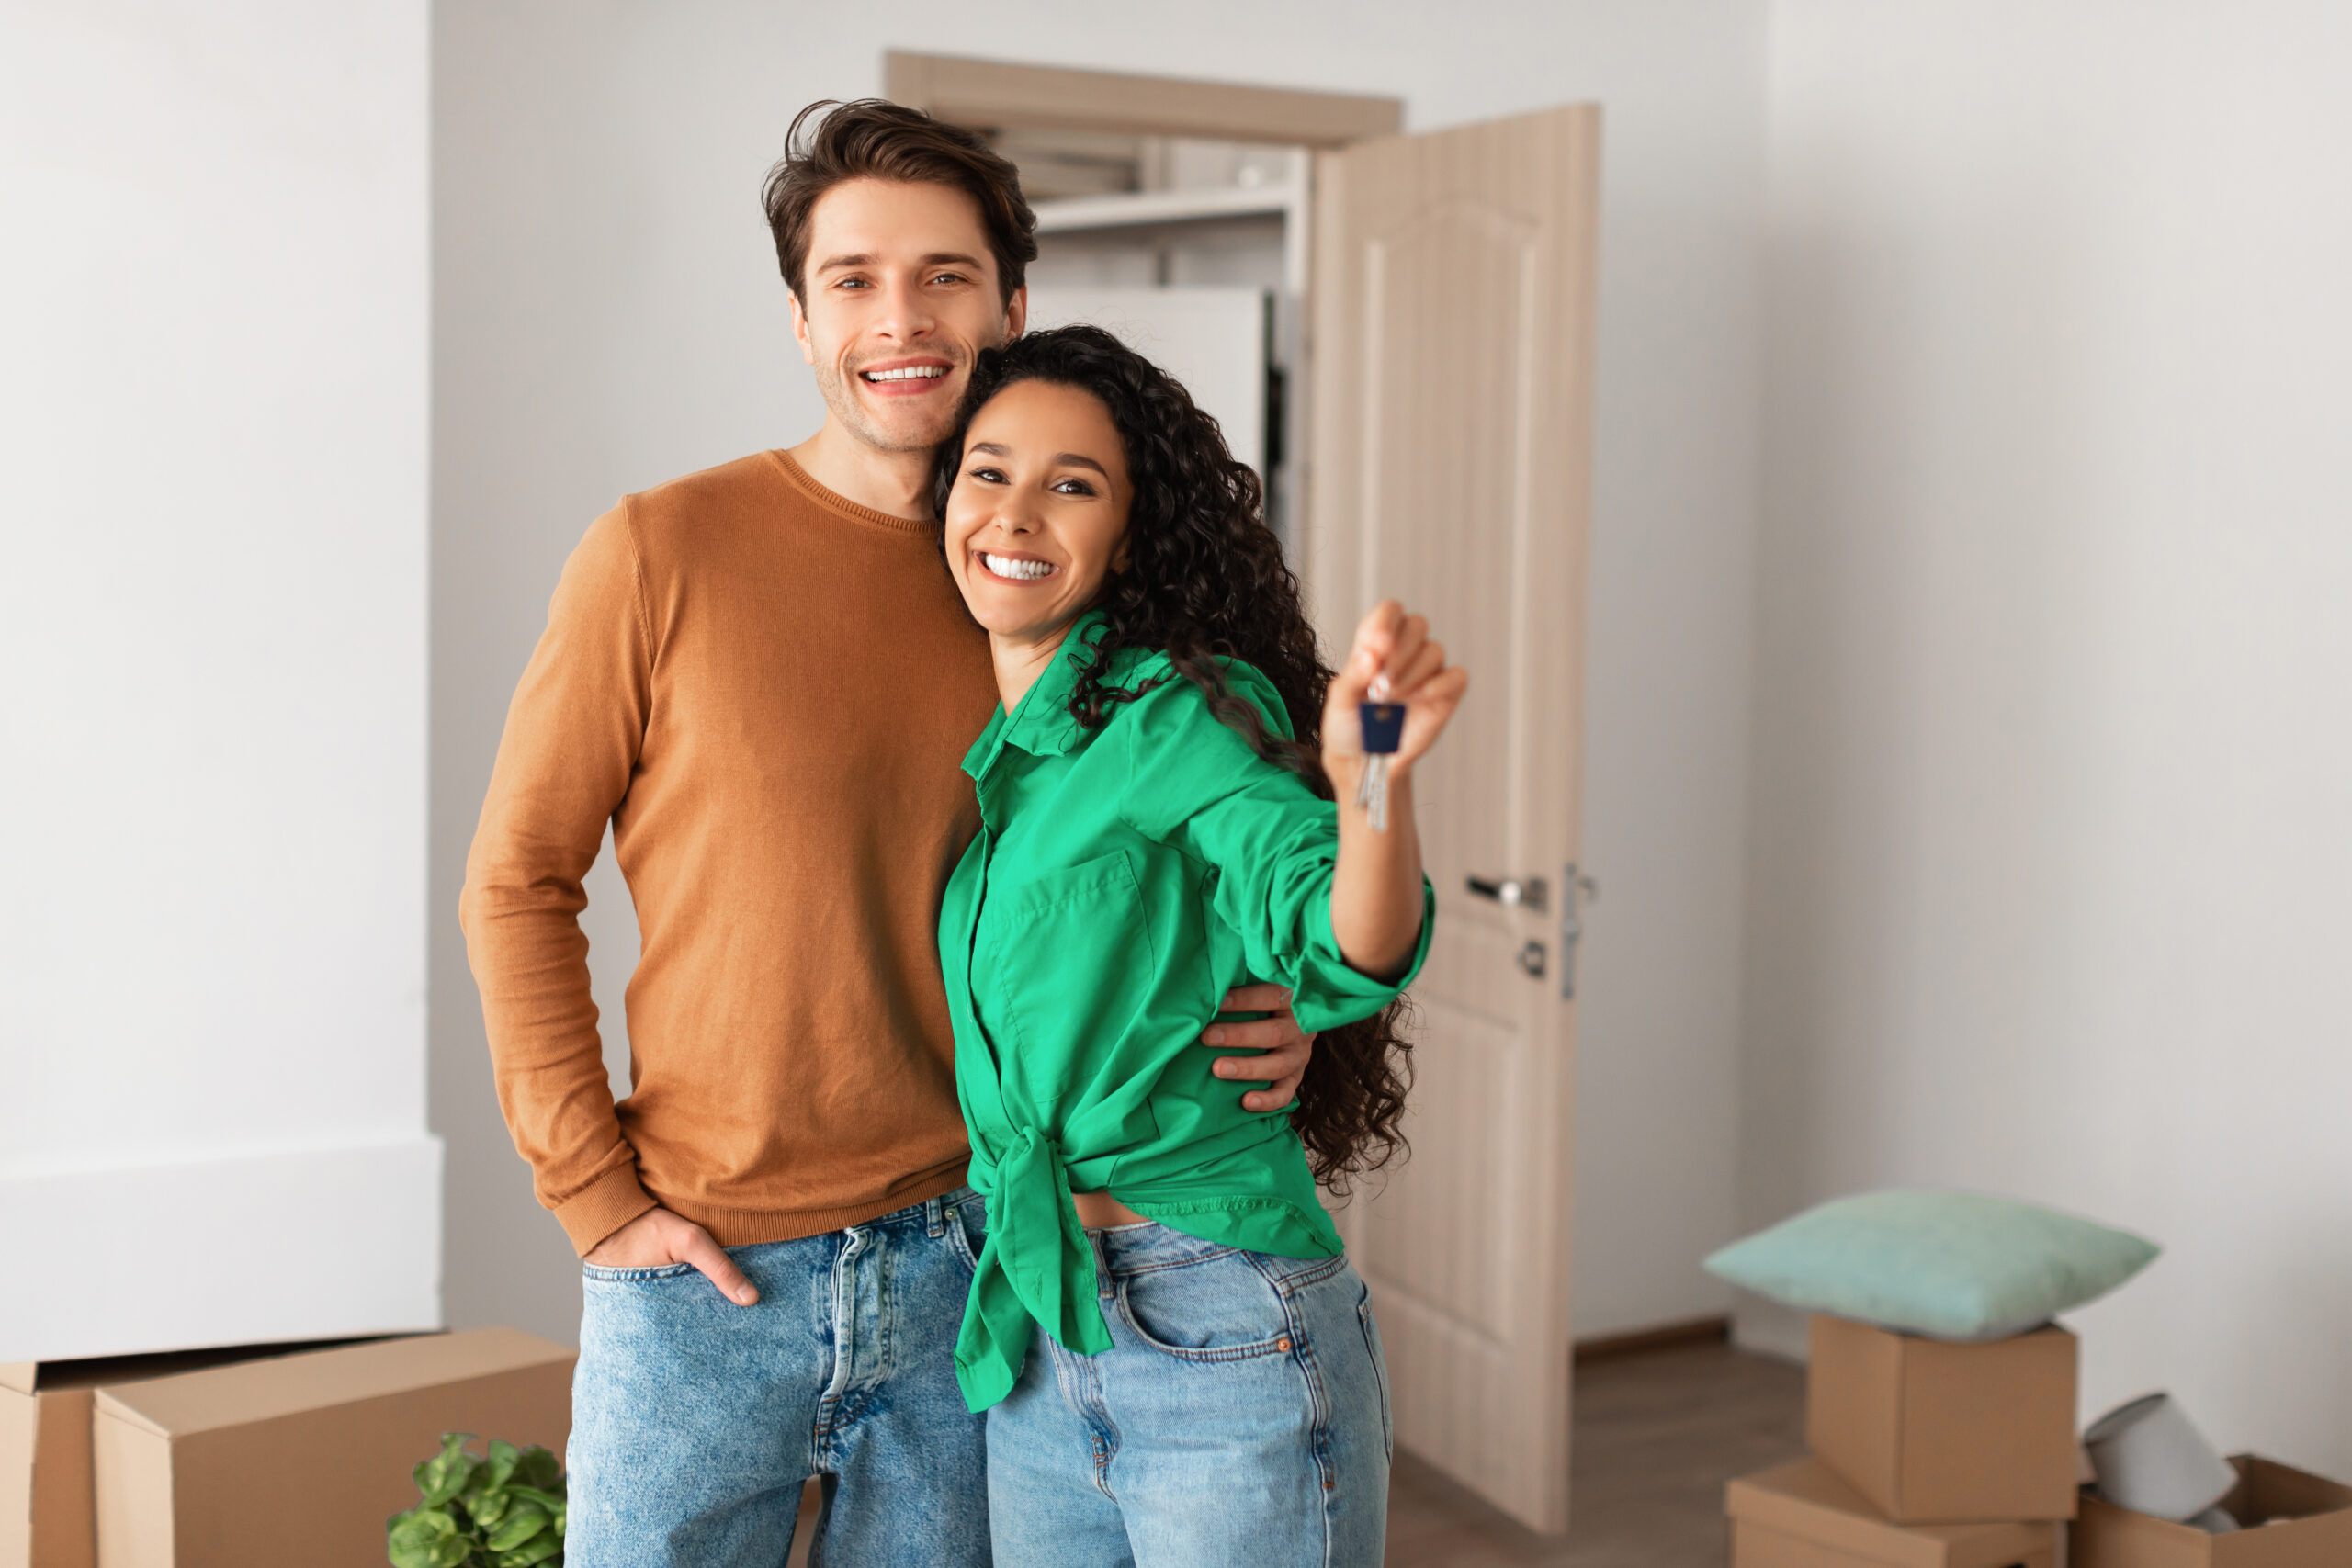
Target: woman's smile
{"x": 1013, "y": 567}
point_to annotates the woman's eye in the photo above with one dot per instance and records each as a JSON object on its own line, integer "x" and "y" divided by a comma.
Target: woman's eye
{"x": 1074, "y": 487}
{"x": 989, "y": 476}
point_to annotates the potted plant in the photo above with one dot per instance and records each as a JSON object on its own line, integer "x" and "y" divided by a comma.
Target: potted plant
{"x": 501, "y": 1511}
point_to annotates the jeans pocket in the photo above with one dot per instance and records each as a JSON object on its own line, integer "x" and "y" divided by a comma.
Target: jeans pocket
{"x": 634, "y": 1276}
{"x": 967, "y": 1230}
{"x": 1216, "y": 1308}
{"x": 1379, "y": 1374}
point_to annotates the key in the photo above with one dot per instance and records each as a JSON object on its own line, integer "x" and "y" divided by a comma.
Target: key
{"x": 1383, "y": 724}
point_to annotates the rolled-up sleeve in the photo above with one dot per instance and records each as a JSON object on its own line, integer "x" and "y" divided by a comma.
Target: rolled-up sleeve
{"x": 1196, "y": 784}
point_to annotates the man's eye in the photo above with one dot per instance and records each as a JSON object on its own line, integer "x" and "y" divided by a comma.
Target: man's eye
{"x": 850, "y": 283}
{"x": 948, "y": 278}
{"x": 1074, "y": 487}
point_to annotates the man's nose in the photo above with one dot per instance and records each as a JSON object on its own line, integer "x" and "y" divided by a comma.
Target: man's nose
{"x": 906, "y": 312}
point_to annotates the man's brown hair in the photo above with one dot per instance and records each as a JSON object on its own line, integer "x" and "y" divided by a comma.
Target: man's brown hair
{"x": 872, "y": 138}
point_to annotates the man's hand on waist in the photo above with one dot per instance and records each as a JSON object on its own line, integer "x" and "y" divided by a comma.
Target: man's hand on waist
{"x": 1285, "y": 1049}
{"x": 657, "y": 1239}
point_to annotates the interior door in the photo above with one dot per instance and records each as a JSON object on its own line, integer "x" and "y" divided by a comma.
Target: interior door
{"x": 1452, "y": 352}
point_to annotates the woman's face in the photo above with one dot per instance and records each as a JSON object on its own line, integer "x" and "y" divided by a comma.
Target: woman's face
{"x": 1038, "y": 516}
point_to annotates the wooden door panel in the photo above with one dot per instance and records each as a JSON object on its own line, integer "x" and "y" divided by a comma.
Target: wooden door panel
{"x": 1450, "y": 437}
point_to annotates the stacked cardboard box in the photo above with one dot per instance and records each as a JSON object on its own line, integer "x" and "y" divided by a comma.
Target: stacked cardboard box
{"x": 2289, "y": 1518}
{"x": 261, "y": 1456}
{"x": 1926, "y": 1454}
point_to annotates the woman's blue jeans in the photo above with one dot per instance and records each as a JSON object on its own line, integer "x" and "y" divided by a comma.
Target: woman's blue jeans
{"x": 1239, "y": 1416}
{"x": 695, "y": 1421}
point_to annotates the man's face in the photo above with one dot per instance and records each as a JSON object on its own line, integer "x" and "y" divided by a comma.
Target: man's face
{"x": 902, "y": 296}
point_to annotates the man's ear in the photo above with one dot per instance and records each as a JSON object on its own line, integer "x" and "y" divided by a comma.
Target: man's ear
{"x": 1017, "y": 313}
{"x": 800, "y": 329}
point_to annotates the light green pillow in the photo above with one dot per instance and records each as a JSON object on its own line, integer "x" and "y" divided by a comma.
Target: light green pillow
{"x": 1948, "y": 1265}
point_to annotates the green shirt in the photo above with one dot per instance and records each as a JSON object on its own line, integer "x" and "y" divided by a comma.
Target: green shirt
{"x": 1124, "y": 879}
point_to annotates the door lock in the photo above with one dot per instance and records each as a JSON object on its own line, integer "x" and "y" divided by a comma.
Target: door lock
{"x": 1531, "y": 959}
{"x": 1512, "y": 892}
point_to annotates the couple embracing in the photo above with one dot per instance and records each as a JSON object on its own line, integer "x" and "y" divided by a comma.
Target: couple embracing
{"x": 955, "y": 877}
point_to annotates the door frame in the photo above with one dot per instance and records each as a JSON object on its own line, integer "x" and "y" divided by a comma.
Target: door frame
{"x": 1000, "y": 93}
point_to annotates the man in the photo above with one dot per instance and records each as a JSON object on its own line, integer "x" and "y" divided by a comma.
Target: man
{"x": 763, "y": 678}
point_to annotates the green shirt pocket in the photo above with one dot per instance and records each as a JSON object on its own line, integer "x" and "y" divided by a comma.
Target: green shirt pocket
{"x": 1068, "y": 961}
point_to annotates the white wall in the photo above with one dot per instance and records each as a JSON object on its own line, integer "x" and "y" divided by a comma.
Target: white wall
{"x": 2053, "y": 762}
{"x": 607, "y": 315}
{"x": 213, "y": 307}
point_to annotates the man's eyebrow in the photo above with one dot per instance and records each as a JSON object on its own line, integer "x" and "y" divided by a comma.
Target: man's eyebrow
{"x": 867, "y": 258}
{"x": 1075, "y": 460}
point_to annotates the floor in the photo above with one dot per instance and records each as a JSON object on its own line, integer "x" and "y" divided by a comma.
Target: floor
{"x": 1657, "y": 1436}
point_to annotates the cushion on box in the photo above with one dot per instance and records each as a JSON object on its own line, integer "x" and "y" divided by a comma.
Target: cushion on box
{"x": 1951, "y": 1265}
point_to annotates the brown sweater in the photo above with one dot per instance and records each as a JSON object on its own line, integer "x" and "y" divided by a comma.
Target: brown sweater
{"x": 768, "y": 692}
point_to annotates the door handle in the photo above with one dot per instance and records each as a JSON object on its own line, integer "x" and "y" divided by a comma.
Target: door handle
{"x": 1512, "y": 892}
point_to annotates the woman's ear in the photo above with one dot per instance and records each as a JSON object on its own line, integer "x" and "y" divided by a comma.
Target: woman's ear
{"x": 1119, "y": 555}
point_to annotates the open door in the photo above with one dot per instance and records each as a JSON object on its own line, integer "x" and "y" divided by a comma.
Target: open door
{"x": 1451, "y": 353}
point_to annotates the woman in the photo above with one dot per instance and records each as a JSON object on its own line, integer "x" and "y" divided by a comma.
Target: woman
{"x": 1178, "y": 1362}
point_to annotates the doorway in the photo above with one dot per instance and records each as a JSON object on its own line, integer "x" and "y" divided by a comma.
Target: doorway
{"x": 1422, "y": 369}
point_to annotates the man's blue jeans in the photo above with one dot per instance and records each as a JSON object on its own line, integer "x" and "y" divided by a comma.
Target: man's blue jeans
{"x": 696, "y": 1422}
{"x": 1239, "y": 1416}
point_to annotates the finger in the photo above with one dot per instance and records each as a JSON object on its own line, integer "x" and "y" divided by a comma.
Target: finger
{"x": 1280, "y": 1095}
{"x": 1375, "y": 635}
{"x": 1407, "y": 678}
{"x": 1259, "y": 995}
{"x": 1412, "y": 632}
{"x": 1432, "y": 708}
{"x": 1260, "y": 1034}
{"x": 709, "y": 1258}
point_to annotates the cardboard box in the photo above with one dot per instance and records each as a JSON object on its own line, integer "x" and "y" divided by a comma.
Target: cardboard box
{"x": 2293, "y": 1519}
{"x": 1934, "y": 1432}
{"x": 302, "y": 1458}
{"x": 48, "y": 1506}
{"x": 1802, "y": 1515}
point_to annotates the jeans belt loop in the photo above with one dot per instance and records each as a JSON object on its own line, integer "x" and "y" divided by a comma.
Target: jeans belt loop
{"x": 934, "y": 1217}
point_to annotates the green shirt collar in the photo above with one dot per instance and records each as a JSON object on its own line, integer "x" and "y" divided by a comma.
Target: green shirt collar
{"x": 1043, "y": 724}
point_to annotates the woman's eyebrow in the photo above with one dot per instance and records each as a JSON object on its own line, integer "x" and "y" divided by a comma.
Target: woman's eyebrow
{"x": 1075, "y": 460}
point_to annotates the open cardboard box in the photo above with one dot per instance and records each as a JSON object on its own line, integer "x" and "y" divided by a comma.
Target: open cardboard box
{"x": 48, "y": 1505}
{"x": 1931, "y": 1431}
{"x": 1802, "y": 1515}
{"x": 2292, "y": 1519}
{"x": 302, "y": 1458}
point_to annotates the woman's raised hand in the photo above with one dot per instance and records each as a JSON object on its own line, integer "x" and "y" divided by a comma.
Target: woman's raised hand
{"x": 1393, "y": 660}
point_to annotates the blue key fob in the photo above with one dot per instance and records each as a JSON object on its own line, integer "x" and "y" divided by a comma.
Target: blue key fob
{"x": 1384, "y": 727}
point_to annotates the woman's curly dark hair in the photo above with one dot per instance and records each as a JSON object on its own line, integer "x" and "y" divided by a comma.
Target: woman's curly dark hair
{"x": 1206, "y": 581}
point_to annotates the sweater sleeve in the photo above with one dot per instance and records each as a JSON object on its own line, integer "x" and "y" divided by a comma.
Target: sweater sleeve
{"x": 573, "y": 737}
{"x": 1271, "y": 844}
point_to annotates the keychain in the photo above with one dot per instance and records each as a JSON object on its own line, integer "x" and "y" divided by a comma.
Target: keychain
{"x": 1383, "y": 724}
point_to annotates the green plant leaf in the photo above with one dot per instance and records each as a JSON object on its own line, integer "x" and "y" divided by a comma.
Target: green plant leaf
{"x": 490, "y": 1507}
{"x": 445, "y": 1475}
{"x": 536, "y": 1467}
{"x": 526, "y": 1519}
{"x": 503, "y": 1456}
{"x": 538, "y": 1551}
{"x": 454, "y": 1552}
{"x": 413, "y": 1538}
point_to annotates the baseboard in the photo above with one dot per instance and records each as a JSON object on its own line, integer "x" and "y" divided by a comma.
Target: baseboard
{"x": 323, "y": 1243}
{"x": 1665, "y": 1336}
